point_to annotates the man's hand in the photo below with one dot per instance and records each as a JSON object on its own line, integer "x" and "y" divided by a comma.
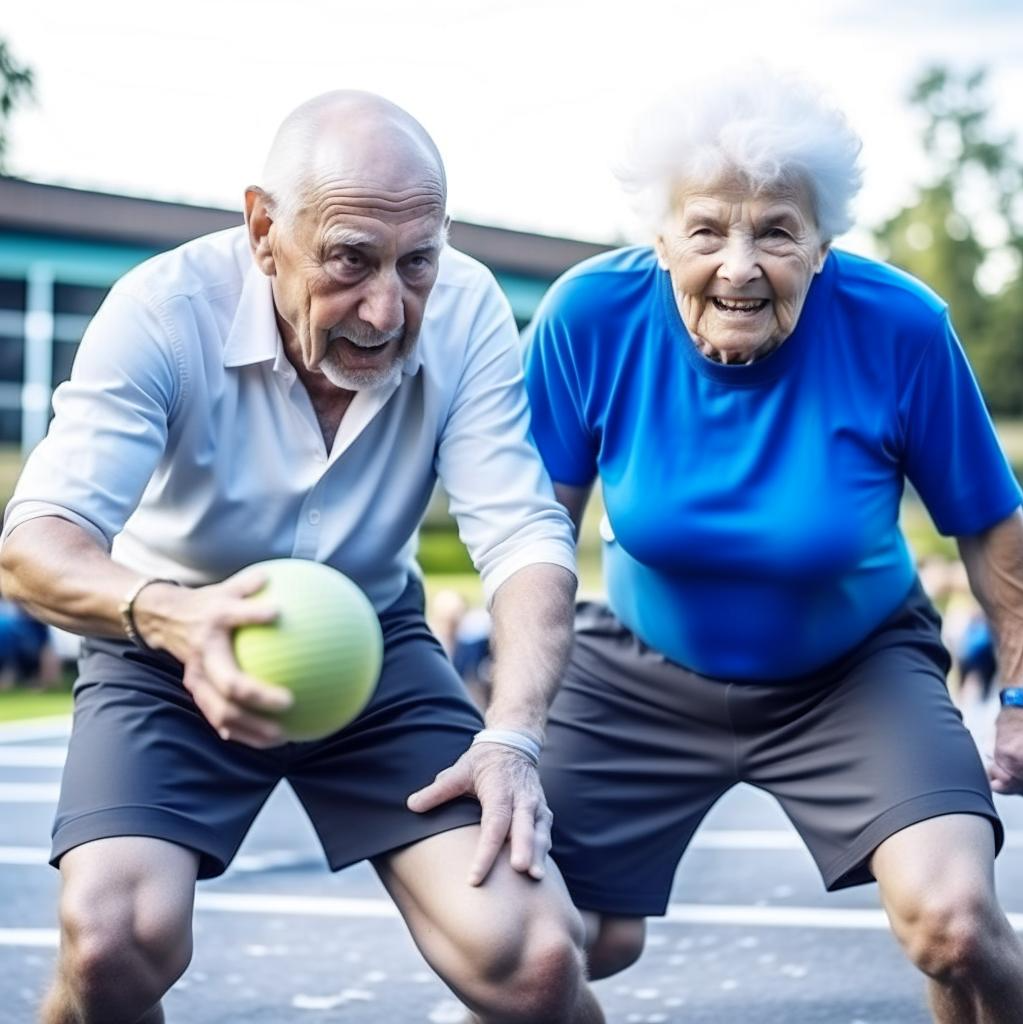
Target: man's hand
{"x": 1005, "y": 769}
{"x": 508, "y": 789}
{"x": 197, "y": 627}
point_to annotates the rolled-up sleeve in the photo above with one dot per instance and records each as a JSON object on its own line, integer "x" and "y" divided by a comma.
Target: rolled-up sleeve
{"x": 110, "y": 423}
{"x": 499, "y": 492}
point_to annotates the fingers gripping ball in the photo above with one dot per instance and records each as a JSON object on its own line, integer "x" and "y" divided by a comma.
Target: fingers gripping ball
{"x": 325, "y": 645}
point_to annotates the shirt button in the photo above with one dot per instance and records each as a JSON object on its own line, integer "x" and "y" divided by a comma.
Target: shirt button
{"x": 314, "y": 517}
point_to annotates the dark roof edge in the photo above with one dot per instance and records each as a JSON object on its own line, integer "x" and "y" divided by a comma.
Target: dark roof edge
{"x": 60, "y": 210}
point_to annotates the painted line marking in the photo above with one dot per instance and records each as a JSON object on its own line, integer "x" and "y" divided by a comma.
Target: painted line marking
{"x": 29, "y": 792}
{"x": 269, "y": 860}
{"x": 275, "y": 859}
{"x": 24, "y": 855}
{"x": 50, "y": 727}
{"x": 310, "y": 906}
{"x": 32, "y": 757}
{"x": 377, "y": 909}
{"x": 38, "y": 937}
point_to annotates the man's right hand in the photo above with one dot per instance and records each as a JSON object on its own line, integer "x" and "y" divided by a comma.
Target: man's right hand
{"x": 196, "y": 626}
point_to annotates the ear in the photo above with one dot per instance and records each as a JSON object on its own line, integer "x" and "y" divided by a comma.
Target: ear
{"x": 662, "y": 252}
{"x": 822, "y": 255}
{"x": 259, "y": 222}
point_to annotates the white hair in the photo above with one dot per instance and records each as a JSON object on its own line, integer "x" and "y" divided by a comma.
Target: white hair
{"x": 297, "y": 157}
{"x": 770, "y": 130}
{"x": 288, "y": 171}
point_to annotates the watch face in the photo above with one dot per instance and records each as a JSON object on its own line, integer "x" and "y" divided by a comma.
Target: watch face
{"x": 1012, "y": 697}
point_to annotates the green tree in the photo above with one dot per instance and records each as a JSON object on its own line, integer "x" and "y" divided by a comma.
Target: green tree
{"x": 938, "y": 237}
{"x": 16, "y": 85}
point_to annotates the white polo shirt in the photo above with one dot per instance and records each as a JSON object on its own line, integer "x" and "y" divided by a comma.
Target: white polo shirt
{"x": 186, "y": 444}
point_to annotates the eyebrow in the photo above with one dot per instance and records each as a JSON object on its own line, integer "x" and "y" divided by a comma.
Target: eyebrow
{"x": 350, "y": 238}
{"x": 781, "y": 216}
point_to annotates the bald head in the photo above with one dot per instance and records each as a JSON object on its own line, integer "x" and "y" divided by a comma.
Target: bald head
{"x": 353, "y": 137}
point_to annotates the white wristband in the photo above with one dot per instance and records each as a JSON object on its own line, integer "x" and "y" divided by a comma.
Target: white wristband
{"x": 519, "y": 741}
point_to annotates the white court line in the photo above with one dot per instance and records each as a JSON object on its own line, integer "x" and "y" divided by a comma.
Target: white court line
{"x": 29, "y": 792}
{"x": 722, "y": 839}
{"x": 38, "y": 937}
{"x": 251, "y": 863}
{"x": 311, "y": 906}
{"x": 51, "y": 727}
{"x": 746, "y": 839}
{"x": 32, "y": 757}
{"x": 272, "y": 859}
{"x": 362, "y": 909}
{"x": 24, "y": 855}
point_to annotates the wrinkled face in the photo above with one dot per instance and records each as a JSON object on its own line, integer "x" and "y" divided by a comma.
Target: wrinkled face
{"x": 351, "y": 276}
{"x": 741, "y": 265}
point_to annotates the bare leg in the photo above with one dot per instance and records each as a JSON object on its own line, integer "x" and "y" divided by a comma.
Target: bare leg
{"x": 612, "y": 942}
{"x": 937, "y": 885}
{"x": 510, "y": 949}
{"x": 126, "y": 930}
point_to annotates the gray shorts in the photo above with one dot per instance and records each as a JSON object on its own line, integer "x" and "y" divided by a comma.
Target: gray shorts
{"x": 638, "y": 750}
{"x": 144, "y": 762}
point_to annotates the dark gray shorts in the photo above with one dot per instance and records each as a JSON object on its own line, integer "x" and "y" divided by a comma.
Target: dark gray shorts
{"x": 144, "y": 762}
{"x": 638, "y": 750}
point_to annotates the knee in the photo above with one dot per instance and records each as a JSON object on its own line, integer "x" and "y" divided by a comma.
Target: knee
{"x": 531, "y": 978}
{"x": 111, "y": 936}
{"x": 617, "y": 944}
{"x": 948, "y": 935}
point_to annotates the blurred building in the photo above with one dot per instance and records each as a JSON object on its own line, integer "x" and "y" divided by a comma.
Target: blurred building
{"x": 62, "y": 248}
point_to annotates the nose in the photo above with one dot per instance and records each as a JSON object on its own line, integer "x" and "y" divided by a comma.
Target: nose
{"x": 381, "y": 306}
{"x": 739, "y": 263}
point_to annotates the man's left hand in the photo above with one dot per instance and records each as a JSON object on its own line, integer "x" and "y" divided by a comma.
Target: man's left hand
{"x": 514, "y": 809}
{"x": 1005, "y": 769}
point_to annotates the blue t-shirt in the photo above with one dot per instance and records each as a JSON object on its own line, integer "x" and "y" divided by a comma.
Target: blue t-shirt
{"x": 755, "y": 508}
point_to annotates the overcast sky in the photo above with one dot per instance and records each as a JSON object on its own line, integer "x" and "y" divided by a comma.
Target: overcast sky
{"x": 526, "y": 99}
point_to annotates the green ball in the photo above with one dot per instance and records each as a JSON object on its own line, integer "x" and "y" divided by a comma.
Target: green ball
{"x": 325, "y": 645}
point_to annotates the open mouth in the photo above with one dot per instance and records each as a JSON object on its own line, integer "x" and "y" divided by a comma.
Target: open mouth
{"x": 739, "y": 305}
{"x": 361, "y": 347}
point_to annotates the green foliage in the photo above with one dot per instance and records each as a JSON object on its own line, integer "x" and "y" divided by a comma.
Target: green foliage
{"x": 16, "y": 85}
{"x": 442, "y": 553}
{"x": 937, "y": 239}
{"x": 19, "y": 704}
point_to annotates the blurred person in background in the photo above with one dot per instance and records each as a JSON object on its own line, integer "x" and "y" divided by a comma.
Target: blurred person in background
{"x": 464, "y": 633}
{"x": 753, "y": 401}
{"x": 27, "y": 650}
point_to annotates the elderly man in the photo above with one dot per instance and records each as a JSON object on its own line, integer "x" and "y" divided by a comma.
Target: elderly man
{"x": 294, "y": 388}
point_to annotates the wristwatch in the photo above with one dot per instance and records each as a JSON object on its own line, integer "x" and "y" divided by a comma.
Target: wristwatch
{"x": 1012, "y": 697}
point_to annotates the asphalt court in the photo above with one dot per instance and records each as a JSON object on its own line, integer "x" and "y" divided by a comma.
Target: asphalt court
{"x": 750, "y": 933}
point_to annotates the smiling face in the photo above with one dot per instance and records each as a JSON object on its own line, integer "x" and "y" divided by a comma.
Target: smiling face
{"x": 741, "y": 264}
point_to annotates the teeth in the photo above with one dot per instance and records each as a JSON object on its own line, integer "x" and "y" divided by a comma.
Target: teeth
{"x": 743, "y": 305}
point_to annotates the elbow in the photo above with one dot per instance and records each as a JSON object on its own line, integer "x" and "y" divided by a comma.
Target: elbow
{"x": 12, "y": 567}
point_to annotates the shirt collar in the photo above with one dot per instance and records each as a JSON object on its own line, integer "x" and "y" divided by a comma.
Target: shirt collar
{"x": 254, "y": 337}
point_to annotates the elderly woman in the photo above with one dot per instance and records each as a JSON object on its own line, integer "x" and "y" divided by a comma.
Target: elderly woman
{"x": 753, "y": 402}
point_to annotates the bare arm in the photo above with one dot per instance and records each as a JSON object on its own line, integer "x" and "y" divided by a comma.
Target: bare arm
{"x": 994, "y": 564}
{"x": 533, "y": 613}
{"x": 575, "y": 500}
{"x": 62, "y": 576}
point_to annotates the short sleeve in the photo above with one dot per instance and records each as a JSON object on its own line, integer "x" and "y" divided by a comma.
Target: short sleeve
{"x": 110, "y": 424}
{"x": 499, "y": 493}
{"x": 556, "y": 398}
{"x": 951, "y": 452}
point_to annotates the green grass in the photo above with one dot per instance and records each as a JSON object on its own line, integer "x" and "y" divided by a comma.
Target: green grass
{"x": 18, "y": 704}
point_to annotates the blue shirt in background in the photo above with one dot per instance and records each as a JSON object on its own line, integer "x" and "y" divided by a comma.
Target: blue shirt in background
{"x": 755, "y": 508}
